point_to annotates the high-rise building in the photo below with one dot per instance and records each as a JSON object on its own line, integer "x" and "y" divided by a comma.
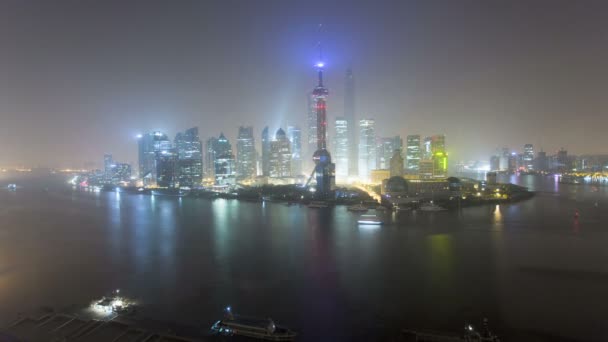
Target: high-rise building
{"x": 265, "y": 152}
{"x": 280, "y": 156}
{"x": 528, "y": 157}
{"x": 167, "y": 170}
{"x": 224, "y": 165}
{"x": 108, "y": 164}
{"x": 342, "y": 149}
{"x": 413, "y": 153}
{"x": 439, "y": 156}
{"x": 150, "y": 145}
{"x": 427, "y": 152}
{"x": 541, "y": 163}
{"x": 189, "y": 157}
{"x": 245, "y": 153}
{"x": 294, "y": 134}
{"x": 396, "y": 164}
{"x": 349, "y": 116}
{"x": 121, "y": 173}
{"x": 494, "y": 163}
{"x": 367, "y": 148}
{"x": 504, "y": 159}
{"x": 324, "y": 169}
{"x": 563, "y": 162}
{"x": 209, "y": 165}
{"x": 385, "y": 150}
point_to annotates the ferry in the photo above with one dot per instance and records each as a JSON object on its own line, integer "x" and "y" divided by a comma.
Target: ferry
{"x": 370, "y": 220}
{"x": 431, "y": 207}
{"x": 257, "y": 328}
{"x": 398, "y": 208}
{"x": 357, "y": 207}
{"x": 318, "y": 204}
{"x": 470, "y": 335}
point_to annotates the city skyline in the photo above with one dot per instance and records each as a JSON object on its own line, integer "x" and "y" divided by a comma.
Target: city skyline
{"x": 467, "y": 78}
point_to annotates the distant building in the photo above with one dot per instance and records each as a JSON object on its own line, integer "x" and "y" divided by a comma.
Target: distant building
{"x": 265, "y": 152}
{"x": 367, "y": 148}
{"x": 385, "y": 150}
{"x": 167, "y": 170}
{"x": 528, "y": 157}
{"x": 294, "y": 134}
{"x": 245, "y": 153}
{"x": 219, "y": 154}
{"x": 396, "y": 164}
{"x": 121, "y": 173}
{"x": 495, "y": 163}
{"x": 349, "y": 116}
{"x": 439, "y": 156}
{"x": 209, "y": 164}
{"x": 541, "y": 163}
{"x": 151, "y": 145}
{"x": 189, "y": 158}
{"x": 341, "y": 148}
{"x": 413, "y": 153}
{"x": 378, "y": 175}
{"x": 504, "y": 159}
{"x": 108, "y": 163}
{"x": 280, "y": 156}
{"x": 426, "y": 169}
{"x": 563, "y": 162}
{"x": 427, "y": 152}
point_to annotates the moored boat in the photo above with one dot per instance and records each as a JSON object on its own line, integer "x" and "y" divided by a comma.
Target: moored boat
{"x": 431, "y": 207}
{"x": 257, "y": 328}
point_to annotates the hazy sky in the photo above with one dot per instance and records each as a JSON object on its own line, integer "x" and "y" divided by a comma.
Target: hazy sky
{"x": 80, "y": 78}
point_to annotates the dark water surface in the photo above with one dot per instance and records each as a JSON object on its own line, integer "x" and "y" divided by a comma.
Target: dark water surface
{"x": 529, "y": 267}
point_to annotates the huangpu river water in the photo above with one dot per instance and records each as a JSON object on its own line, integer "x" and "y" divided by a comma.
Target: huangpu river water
{"x": 531, "y": 267}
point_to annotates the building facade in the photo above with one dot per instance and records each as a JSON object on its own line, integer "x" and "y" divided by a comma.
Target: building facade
{"x": 151, "y": 145}
{"x": 265, "y": 152}
{"x": 349, "y": 117}
{"x": 294, "y": 134}
{"x": 367, "y": 148}
{"x": 413, "y": 153}
{"x": 280, "y": 156}
{"x": 342, "y": 148}
{"x": 245, "y": 153}
{"x": 189, "y": 158}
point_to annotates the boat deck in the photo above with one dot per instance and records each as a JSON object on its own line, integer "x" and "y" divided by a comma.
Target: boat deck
{"x": 67, "y": 328}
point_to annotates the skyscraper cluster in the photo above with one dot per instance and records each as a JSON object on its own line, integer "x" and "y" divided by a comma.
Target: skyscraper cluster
{"x": 166, "y": 164}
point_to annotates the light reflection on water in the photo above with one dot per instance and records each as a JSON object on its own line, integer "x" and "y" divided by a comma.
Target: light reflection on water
{"x": 316, "y": 270}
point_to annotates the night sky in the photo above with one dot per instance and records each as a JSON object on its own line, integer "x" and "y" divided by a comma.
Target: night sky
{"x": 81, "y": 78}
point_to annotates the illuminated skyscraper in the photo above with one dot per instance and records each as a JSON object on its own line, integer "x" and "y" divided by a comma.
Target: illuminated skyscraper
{"x": 342, "y": 149}
{"x": 439, "y": 156}
{"x": 280, "y": 156}
{"x": 209, "y": 165}
{"x": 427, "y": 152}
{"x": 245, "y": 153}
{"x": 413, "y": 153}
{"x": 349, "y": 116}
{"x": 190, "y": 158}
{"x": 107, "y": 167}
{"x": 367, "y": 148}
{"x": 528, "y": 157}
{"x": 224, "y": 165}
{"x": 294, "y": 134}
{"x": 150, "y": 145}
{"x": 265, "y": 152}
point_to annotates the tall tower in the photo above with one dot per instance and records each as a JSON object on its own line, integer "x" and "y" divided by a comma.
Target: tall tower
{"x": 349, "y": 116}
{"x": 245, "y": 153}
{"x": 324, "y": 169}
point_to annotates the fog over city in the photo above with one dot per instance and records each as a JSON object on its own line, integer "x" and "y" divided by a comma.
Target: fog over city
{"x": 79, "y": 78}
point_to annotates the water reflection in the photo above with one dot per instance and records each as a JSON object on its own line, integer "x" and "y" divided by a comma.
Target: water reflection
{"x": 441, "y": 261}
